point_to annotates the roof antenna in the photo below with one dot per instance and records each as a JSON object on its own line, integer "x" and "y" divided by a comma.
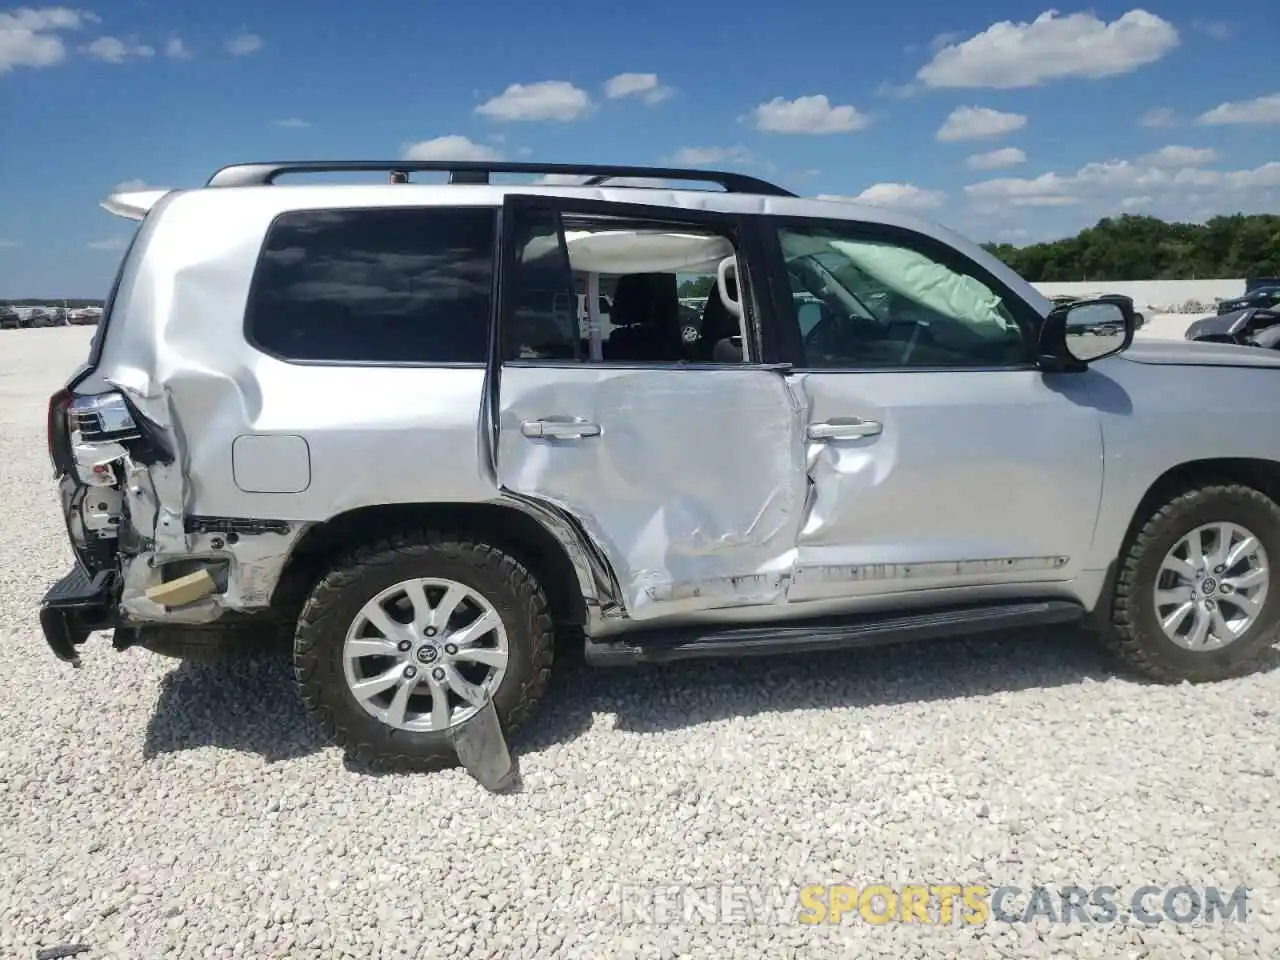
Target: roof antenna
{"x": 399, "y": 176}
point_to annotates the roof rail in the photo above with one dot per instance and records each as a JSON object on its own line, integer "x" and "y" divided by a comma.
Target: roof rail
{"x": 478, "y": 171}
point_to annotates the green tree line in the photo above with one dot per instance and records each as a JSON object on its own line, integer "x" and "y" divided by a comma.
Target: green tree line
{"x": 1147, "y": 248}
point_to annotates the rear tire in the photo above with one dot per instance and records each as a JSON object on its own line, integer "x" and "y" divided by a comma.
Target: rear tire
{"x": 337, "y": 627}
{"x": 1138, "y": 636}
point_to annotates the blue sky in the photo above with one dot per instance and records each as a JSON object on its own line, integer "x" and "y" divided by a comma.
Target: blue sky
{"x": 1006, "y": 120}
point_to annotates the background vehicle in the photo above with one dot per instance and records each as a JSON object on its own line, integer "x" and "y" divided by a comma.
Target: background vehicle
{"x": 879, "y": 432}
{"x": 85, "y": 317}
{"x": 1264, "y": 297}
{"x": 9, "y": 319}
{"x": 1251, "y": 326}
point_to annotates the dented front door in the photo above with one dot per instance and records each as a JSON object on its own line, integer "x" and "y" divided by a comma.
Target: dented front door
{"x": 689, "y": 478}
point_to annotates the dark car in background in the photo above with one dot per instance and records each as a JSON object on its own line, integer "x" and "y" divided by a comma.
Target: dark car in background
{"x": 1251, "y": 327}
{"x": 1263, "y": 298}
{"x": 9, "y": 319}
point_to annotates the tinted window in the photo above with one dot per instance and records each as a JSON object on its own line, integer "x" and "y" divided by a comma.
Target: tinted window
{"x": 391, "y": 286}
{"x": 543, "y": 324}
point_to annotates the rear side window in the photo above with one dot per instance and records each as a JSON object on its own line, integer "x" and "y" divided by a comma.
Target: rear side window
{"x": 375, "y": 286}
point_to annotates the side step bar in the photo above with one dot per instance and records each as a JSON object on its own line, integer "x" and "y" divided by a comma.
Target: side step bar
{"x": 690, "y": 643}
{"x": 74, "y": 607}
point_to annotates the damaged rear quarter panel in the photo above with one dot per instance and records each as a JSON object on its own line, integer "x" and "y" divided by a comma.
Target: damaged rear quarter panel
{"x": 176, "y": 349}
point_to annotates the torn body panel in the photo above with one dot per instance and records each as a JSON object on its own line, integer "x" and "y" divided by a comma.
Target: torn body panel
{"x": 128, "y": 495}
{"x": 691, "y": 482}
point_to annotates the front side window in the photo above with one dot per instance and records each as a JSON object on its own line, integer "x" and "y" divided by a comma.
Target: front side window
{"x": 376, "y": 285}
{"x": 872, "y": 303}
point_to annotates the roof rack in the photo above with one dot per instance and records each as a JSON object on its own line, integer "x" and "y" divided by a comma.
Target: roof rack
{"x": 477, "y": 171}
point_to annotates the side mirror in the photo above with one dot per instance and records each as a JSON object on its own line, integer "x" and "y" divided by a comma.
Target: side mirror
{"x": 1076, "y": 334}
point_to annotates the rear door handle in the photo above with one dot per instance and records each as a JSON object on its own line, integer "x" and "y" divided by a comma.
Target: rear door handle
{"x": 852, "y": 428}
{"x": 560, "y": 428}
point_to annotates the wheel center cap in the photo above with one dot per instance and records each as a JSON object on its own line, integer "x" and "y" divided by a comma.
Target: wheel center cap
{"x": 1208, "y": 585}
{"x": 427, "y": 654}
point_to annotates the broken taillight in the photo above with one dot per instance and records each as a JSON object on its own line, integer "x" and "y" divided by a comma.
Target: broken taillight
{"x": 103, "y": 417}
{"x": 99, "y": 418}
{"x": 59, "y": 432}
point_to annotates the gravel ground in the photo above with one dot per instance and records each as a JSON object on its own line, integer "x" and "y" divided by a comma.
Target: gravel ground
{"x": 159, "y": 809}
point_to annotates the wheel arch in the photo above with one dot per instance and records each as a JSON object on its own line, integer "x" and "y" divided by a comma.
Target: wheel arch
{"x": 1255, "y": 472}
{"x": 1260, "y": 474}
{"x": 575, "y": 577}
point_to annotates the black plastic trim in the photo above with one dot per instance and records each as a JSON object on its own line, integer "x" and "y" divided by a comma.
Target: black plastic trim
{"x": 266, "y": 173}
{"x": 233, "y": 526}
{"x": 663, "y": 646}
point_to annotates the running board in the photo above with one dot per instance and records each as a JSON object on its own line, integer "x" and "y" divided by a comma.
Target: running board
{"x": 688, "y": 643}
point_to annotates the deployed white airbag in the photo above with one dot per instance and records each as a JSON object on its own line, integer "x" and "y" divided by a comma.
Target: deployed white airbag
{"x": 914, "y": 276}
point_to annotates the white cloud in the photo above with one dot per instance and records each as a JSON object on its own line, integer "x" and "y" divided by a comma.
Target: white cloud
{"x": 1158, "y": 117}
{"x": 132, "y": 186}
{"x": 1173, "y": 156}
{"x": 1263, "y": 110}
{"x": 547, "y": 100}
{"x": 1008, "y": 55}
{"x": 979, "y": 123}
{"x": 1166, "y": 190}
{"x": 111, "y": 243}
{"x": 704, "y": 156}
{"x": 8, "y": 244}
{"x": 1005, "y": 188}
{"x": 995, "y": 159}
{"x": 244, "y": 44}
{"x": 450, "y": 147}
{"x": 1121, "y": 173}
{"x": 1050, "y": 201}
{"x": 903, "y": 196}
{"x": 115, "y": 50}
{"x": 809, "y": 115}
{"x": 1213, "y": 28}
{"x": 175, "y": 49}
{"x": 642, "y": 85}
{"x": 293, "y": 123}
{"x": 943, "y": 40}
{"x": 29, "y": 37}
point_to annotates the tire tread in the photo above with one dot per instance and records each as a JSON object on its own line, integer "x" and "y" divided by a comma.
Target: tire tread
{"x": 315, "y": 623}
{"x": 1125, "y": 639}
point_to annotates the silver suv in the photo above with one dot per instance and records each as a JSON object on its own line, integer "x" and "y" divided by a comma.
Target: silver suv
{"x": 370, "y": 417}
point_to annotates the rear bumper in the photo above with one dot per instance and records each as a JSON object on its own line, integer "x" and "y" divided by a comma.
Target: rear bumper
{"x": 74, "y": 607}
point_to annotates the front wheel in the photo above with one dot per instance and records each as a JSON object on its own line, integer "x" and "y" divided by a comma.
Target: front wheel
{"x": 1196, "y": 597}
{"x": 405, "y": 640}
